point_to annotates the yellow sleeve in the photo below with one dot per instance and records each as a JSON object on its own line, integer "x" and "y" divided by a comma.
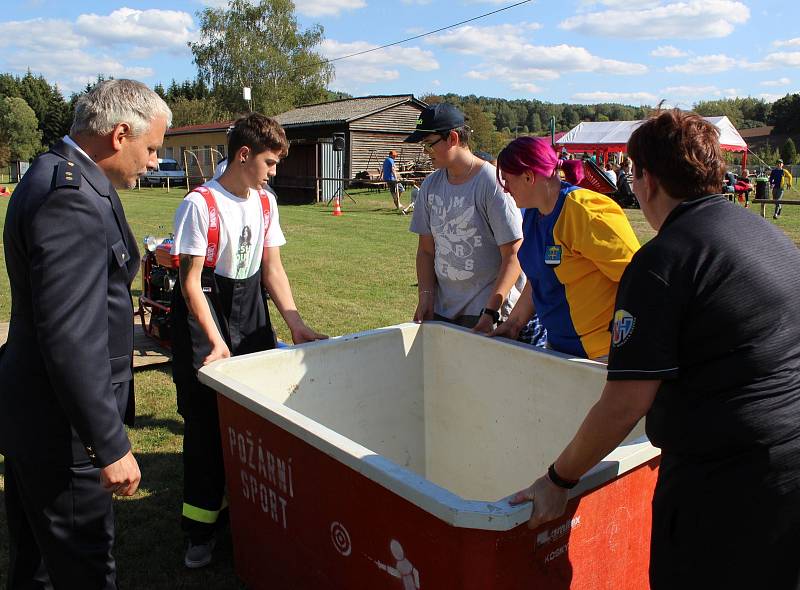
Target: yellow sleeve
{"x": 787, "y": 178}
{"x": 595, "y": 227}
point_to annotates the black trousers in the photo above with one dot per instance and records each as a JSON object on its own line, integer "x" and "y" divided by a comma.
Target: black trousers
{"x": 240, "y": 313}
{"x": 725, "y": 537}
{"x": 203, "y": 467}
{"x": 61, "y": 527}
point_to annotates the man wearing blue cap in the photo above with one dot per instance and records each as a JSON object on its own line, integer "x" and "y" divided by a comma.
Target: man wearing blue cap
{"x": 469, "y": 228}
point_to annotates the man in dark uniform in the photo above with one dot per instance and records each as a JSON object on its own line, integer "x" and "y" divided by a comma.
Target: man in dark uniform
{"x": 66, "y": 369}
{"x": 706, "y": 343}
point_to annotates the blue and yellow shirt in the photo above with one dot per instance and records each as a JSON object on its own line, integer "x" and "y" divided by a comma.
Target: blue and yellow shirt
{"x": 574, "y": 258}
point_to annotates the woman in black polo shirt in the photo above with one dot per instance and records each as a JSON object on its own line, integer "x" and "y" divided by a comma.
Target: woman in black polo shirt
{"x": 706, "y": 343}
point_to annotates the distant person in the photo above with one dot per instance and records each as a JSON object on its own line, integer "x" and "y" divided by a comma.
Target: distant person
{"x": 780, "y": 179}
{"x": 729, "y": 185}
{"x": 219, "y": 306}
{"x": 414, "y": 192}
{"x": 391, "y": 177}
{"x": 469, "y": 229}
{"x": 66, "y": 387}
{"x": 625, "y": 174}
{"x": 744, "y": 187}
{"x": 608, "y": 170}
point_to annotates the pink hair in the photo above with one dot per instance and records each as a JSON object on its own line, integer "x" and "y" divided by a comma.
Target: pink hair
{"x": 535, "y": 154}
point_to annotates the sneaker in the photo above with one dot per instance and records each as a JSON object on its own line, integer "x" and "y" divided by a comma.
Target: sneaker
{"x": 199, "y": 555}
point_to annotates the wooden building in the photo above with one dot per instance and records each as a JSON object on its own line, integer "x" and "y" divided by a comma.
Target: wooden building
{"x": 370, "y": 126}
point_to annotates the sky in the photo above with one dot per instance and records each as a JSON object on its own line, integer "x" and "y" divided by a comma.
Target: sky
{"x": 580, "y": 51}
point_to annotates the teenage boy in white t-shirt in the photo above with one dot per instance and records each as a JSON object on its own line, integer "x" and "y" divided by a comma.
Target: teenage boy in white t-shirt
{"x": 219, "y": 305}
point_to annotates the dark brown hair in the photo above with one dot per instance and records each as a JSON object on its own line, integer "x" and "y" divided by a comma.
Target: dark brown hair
{"x": 682, "y": 151}
{"x": 258, "y": 132}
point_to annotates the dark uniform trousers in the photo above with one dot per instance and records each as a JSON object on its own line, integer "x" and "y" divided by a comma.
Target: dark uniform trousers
{"x": 239, "y": 309}
{"x": 65, "y": 371}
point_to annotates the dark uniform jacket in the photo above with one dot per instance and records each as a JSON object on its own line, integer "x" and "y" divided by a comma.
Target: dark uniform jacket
{"x": 66, "y": 368}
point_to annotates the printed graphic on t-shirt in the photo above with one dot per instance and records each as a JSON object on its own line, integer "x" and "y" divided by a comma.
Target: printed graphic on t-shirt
{"x": 243, "y": 253}
{"x": 454, "y": 234}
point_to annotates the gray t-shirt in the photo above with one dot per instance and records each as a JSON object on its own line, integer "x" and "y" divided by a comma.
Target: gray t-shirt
{"x": 468, "y": 222}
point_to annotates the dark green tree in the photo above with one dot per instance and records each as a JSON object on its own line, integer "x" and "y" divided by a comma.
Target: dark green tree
{"x": 196, "y": 111}
{"x": 785, "y": 114}
{"x": 56, "y": 120}
{"x": 19, "y": 129}
{"x": 789, "y": 152}
{"x": 261, "y": 46}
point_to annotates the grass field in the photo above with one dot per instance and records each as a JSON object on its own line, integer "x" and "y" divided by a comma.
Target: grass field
{"x": 348, "y": 274}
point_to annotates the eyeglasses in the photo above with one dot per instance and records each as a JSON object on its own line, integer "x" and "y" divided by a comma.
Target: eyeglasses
{"x": 429, "y": 146}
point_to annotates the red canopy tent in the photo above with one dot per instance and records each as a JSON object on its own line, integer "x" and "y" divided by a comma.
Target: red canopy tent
{"x": 607, "y": 137}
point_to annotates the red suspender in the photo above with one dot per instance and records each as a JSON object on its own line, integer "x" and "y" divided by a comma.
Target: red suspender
{"x": 265, "y": 210}
{"x": 212, "y": 251}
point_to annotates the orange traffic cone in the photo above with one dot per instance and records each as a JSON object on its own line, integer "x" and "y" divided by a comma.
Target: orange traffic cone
{"x": 337, "y": 209}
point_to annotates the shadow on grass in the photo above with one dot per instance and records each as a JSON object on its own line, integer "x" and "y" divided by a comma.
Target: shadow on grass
{"x": 151, "y": 421}
{"x": 150, "y": 545}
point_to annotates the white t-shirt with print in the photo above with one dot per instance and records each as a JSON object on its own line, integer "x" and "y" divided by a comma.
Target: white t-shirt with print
{"x": 241, "y": 235}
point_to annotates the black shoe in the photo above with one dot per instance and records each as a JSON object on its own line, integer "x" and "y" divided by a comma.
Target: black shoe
{"x": 199, "y": 555}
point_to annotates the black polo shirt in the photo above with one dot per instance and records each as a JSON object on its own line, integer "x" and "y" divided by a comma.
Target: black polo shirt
{"x": 711, "y": 306}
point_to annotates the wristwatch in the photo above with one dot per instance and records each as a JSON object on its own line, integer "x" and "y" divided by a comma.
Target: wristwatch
{"x": 495, "y": 315}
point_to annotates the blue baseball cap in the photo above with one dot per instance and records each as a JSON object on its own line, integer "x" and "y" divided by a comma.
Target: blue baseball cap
{"x": 435, "y": 119}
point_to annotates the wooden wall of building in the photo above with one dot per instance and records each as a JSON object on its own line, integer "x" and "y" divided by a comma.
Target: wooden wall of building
{"x": 372, "y": 137}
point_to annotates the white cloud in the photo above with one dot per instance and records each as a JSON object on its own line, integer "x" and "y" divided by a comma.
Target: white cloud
{"x": 47, "y": 34}
{"x": 376, "y": 66}
{"x": 783, "y": 59}
{"x": 624, "y": 97}
{"x": 788, "y": 43}
{"x": 504, "y": 52}
{"x": 668, "y": 51}
{"x": 778, "y": 82}
{"x": 327, "y": 7}
{"x": 436, "y": 83}
{"x": 705, "y": 64}
{"x": 630, "y": 4}
{"x": 146, "y": 29}
{"x": 699, "y": 91}
{"x": 72, "y": 56}
{"x": 532, "y": 88}
{"x": 770, "y": 97}
{"x": 694, "y": 19}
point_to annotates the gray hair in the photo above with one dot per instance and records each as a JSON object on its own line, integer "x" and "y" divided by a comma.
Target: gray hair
{"x": 118, "y": 101}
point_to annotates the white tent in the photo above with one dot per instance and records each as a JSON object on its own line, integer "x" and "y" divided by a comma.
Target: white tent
{"x": 612, "y": 136}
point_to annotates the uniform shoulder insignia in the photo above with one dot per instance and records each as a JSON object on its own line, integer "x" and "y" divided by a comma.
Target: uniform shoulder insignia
{"x": 68, "y": 174}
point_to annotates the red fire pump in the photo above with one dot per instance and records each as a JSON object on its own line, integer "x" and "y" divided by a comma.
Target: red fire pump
{"x": 159, "y": 275}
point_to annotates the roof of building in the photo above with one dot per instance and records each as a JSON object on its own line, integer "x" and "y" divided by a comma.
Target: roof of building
{"x": 756, "y": 131}
{"x": 342, "y": 111}
{"x": 203, "y": 128}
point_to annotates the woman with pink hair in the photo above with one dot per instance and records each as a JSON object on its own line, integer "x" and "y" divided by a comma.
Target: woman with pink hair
{"x": 576, "y": 244}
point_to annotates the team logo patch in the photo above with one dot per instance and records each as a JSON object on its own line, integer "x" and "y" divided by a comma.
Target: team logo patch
{"x": 624, "y": 323}
{"x": 552, "y": 255}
